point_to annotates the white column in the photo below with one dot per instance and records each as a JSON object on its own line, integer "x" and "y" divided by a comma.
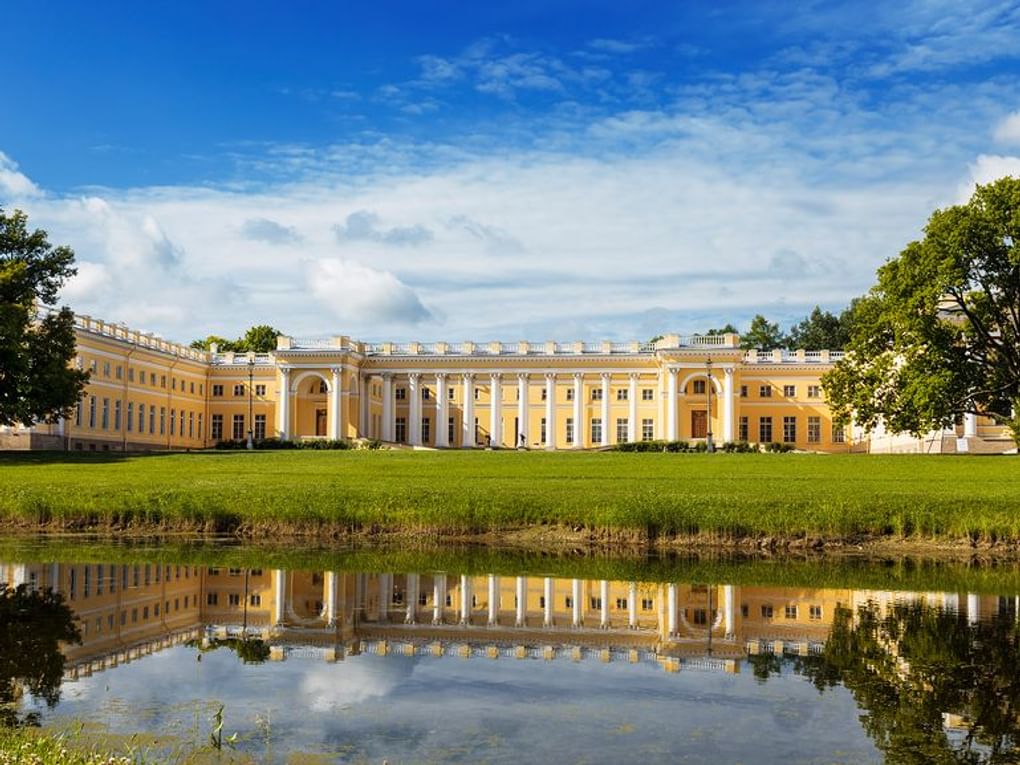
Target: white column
{"x": 279, "y": 595}
{"x": 331, "y": 585}
{"x": 387, "y": 406}
{"x": 385, "y": 596}
{"x": 550, "y": 410}
{"x": 522, "y": 601}
{"x": 605, "y": 409}
{"x": 728, "y": 609}
{"x": 496, "y": 410}
{"x": 969, "y": 424}
{"x": 465, "y": 599}
{"x": 412, "y": 598}
{"x": 576, "y": 594}
{"x": 414, "y": 409}
{"x": 671, "y": 610}
{"x": 604, "y": 597}
{"x": 671, "y": 404}
{"x": 973, "y": 608}
{"x": 283, "y": 411}
{"x": 579, "y": 410}
{"x": 335, "y": 404}
{"x": 632, "y": 422}
{"x": 522, "y": 409}
{"x": 442, "y": 413}
{"x": 548, "y": 593}
{"x": 468, "y": 407}
{"x": 632, "y": 606}
{"x": 438, "y": 597}
{"x": 364, "y": 412}
{"x": 493, "y": 599}
{"x": 728, "y": 434}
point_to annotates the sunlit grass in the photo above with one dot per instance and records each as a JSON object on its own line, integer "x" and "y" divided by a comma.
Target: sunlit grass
{"x": 793, "y": 495}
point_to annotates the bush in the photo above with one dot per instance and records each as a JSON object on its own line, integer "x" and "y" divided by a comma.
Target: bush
{"x": 777, "y": 447}
{"x": 276, "y": 443}
{"x": 739, "y": 447}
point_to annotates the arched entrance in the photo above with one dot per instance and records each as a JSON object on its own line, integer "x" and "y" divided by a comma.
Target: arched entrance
{"x": 694, "y": 388}
{"x": 310, "y": 397}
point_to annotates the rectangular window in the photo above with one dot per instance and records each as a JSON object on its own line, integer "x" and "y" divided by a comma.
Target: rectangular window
{"x": 92, "y": 411}
{"x": 791, "y": 612}
{"x": 647, "y": 429}
{"x": 211, "y": 598}
{"x": 217, "y": 390}
{"x": 699, "y": 387}
{"x": 621, "y": 604}
{"x": 191, "y": 424}
{"x": 191, "y": 388}
{"x": 217, "y": 427}
{"x": 570, "y": 430}
{"x": 260, "y": 427}
{"x": 131, "y": 374}
{"x": 200, "y": 433}
{"x": 119, "y": 372}
{"x": 743, "y": 434}
{"x": 765, "y": 430}
{"x": 77, "y": 413}
{"x": 541, "y": 432}
{"x": 238, "y": 389}
{"x": 766, "y": 612}
{"x": 449, "y": 431}
{"x": 181, "y": 430}
{"x": 477, "y": 393}
{"x": 425, "y": 394}
{"x": 173, "y": 383}
{"x": 814, "y": 391}
{"x": 790, "y": 391}
{"x": 647, "y": 394}
{"x": 815, "y": 612}
{"x": 764, "y": 391}
{"x": 647, "y": 604}
{"x": 838, "y": 436}
{"x": 162, "y": 420}
{"x": 790, "y": 430}
{"x": 233, "y": 599}
{"x": 162, "y": 381}
{"x": 116, "y": 415}
{"x": 106, "y": 369}
{"x": 596, "y": 603}
{"x": 814, "y": 430}
{"x": 130, "y": 416}
{"x": 426, "y": 430}
{"x": 106, "y": 414}
{"x": 400, "y": 430}
{"x": 451, "y": 394}
{"x": 545, "y": 394}
{"x": 743, "y": 391}
{"x": 238, "y": 427}
{"x": 173, "y": 420}
{"x": 596, "y": 394}
{"x": 622, "y": 429}
{"x": 570, "y": 394}
{"x": 86, "y": 581}
{"x": 400, "y": 394}
{"x": 256, "y": 599}
{"x": 622, "y": 394}
{"x": 596, "y": 430}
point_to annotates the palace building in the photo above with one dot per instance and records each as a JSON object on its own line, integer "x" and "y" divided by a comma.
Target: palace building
{"x": 146, "y": 393}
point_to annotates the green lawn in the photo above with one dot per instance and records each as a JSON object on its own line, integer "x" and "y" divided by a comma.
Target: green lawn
{"x": 477, "y": 492}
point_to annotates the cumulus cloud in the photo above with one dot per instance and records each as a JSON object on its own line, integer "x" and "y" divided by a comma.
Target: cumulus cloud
{"x": 13, "y": 182}
{"x": 269, "y": 231}
{"x": 496, "y": 240}
{"x": 363, "y": 226}
{"x": 1008, "y": 130}
{"x": 352, "y": 292}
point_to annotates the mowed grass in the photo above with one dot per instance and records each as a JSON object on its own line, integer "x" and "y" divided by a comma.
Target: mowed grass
{"x": 784, "y": 495}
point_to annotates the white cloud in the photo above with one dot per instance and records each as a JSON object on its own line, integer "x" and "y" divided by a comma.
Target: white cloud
{"x": 1008, "y": 130}
{"x": 351, "y": 292}
{"x": 985, "y": 169}
{"x": 13, "y": 182}
{"x": 363, "y": 226}
{"x": 269, "y": 231}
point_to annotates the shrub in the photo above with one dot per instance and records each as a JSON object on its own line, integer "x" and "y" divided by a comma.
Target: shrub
{"x": 276, "y": 443}
{"x": 778, "y": 447}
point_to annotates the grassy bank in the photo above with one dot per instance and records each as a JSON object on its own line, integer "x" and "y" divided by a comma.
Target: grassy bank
{"x": 626, "y": 496}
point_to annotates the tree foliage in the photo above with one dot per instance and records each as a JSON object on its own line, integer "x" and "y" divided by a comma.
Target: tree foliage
{"x": 821, "y": 331}
{"x": 939, "y": 335}
{"x": 258, "y": 339}
{"x": 37, "y": 383}
{"x": 728, "y": 329}
{"x": 762, "y": 335}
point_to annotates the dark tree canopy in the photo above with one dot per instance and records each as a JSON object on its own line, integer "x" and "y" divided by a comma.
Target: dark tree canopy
{"x": 728, "y": 329}
{"x": 762, "y": 335}
{"x": 258, "y": 339}
{"x": 32, "y": 627}
{"x": 939, "y": 335}
{"x": 821, "y": 331}
{"x": 37, "y": 383}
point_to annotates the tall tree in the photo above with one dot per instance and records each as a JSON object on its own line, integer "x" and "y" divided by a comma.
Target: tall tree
{"x": 939, "y": 335}
{"x": 221, "y": 343}
{"x": 762, "y": 334}
{"x": 729, "y": 329}
{"x": 37, "y": 383}
{"x": 820, "y": 331}
{"x": 261, "y": 339}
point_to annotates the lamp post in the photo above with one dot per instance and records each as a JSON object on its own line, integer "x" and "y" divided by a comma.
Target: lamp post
{"x": 709, "y": 446}
{"x": 251, "y": 402}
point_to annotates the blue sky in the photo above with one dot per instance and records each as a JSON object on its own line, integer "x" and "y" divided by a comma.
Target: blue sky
{"x": 469, "y": 171}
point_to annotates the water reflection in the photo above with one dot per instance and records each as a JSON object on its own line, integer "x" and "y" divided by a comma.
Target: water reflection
{"x": 931, "y": 676}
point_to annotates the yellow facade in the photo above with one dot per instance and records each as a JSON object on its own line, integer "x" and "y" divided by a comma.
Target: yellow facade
{"x": 146, "y": 393}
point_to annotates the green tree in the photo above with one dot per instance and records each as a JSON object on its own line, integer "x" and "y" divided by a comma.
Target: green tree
{"x": 939, "y": 335}
{"x": 222, "y": 344}
{"x": 261, "y": 339}
{"x": 819, "y": 331}
{"x": 762, "y": 334}
{"x": 37, "y": 383}
{"x": 729, "y": 329}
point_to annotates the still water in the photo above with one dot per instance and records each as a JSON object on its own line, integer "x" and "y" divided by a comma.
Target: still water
{"x": 802, "y": 664}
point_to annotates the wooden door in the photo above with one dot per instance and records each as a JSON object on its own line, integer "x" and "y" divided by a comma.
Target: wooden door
{"x": 699, "y": 424}
{"x": 320, "y": 422}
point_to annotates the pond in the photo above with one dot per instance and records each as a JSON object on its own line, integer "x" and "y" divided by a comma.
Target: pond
{"x": 366, "y": 656}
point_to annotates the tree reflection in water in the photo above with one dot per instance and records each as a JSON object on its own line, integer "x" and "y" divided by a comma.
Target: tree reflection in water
{"x": 932, "y": 688}
{"x": 32, "y": 627}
